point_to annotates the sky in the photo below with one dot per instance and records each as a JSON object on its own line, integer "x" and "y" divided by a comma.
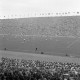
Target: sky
{"x": 23, "y": 7}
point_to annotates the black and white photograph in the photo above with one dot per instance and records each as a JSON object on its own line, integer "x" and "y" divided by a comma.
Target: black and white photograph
{"x": 39, "y": 39}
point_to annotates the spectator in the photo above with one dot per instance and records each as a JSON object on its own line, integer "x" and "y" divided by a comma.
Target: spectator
{"x": 54, "y": 70}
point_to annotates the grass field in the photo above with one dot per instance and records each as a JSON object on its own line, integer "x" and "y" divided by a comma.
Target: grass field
{"x": 54, "y": 46}
{"x": 41, "y": 57}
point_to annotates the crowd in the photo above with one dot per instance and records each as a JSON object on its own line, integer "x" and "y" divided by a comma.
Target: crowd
{"x": 67, "y": 26}
{"x": 21, "y": 69}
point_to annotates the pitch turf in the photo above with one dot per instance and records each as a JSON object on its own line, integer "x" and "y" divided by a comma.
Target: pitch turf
{"x": 54, "y": 46}
{"x": 31, "y": 56}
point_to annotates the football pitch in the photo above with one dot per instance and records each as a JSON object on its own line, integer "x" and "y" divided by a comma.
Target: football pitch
{"x": 51, "y": 46}
{"x": 41, "y": 57}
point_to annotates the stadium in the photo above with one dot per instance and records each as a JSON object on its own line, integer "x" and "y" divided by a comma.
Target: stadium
{"x": 40, "y": 48}
{"x": 57, "y": 35}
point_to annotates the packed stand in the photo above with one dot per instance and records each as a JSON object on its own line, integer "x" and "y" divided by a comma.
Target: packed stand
{"x": 21, "y": 69}
{"x": 59, "y": 26}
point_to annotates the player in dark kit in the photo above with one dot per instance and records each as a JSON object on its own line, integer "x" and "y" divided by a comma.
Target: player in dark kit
{"x": 35, "y": 50}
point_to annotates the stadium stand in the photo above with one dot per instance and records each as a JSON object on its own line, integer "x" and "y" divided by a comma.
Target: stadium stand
{"x": 21, "y": 69}
{"x": 39, "y": 26}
